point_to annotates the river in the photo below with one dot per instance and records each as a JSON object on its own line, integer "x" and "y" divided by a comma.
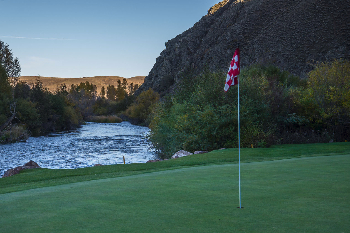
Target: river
{"x": 93, "y": 143}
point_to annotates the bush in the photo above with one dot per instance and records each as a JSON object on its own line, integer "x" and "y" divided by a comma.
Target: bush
{"x": 42, "y": 112}
{"x": 28, "y": 115}
{"x": 71, "y": 118}
{"x": 326, "y": 100}
{"x": 143, "y": 105}
{"x": 201, "y": 116}
{"x": 105, "y": 119}
{"x": 14, "y": 134}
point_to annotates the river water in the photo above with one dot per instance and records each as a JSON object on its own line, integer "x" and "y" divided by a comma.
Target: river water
{"x": 94, "y": 143}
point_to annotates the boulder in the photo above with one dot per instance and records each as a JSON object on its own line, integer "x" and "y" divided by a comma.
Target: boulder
{"x": 154, "y": 160}
{"x": 31, "y": 164}
{"x": 181, "y": 153}
{"x": 200, "y": 152}
{"x": 13, "y": 171}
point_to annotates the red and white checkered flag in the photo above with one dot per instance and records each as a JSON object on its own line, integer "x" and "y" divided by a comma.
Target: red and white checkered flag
{"x": 233, "y": 71}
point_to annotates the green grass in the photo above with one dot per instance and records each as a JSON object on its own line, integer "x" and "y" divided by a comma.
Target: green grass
{"x": 37, "y": 178}
{"x": 309, "y": 194}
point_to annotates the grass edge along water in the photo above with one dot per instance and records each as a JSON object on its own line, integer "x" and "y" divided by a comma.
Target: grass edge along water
{"x": 37, "y": 178}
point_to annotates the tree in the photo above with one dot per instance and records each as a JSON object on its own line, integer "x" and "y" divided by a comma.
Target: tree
{"x": 103, "y": 92}
{"x": 5, "y": 87}
{"x": 10, "y": 64}
{"x": 121, "y": 90}
{"x": 5, "y": 98}
{"x": 111, "y": 92}
{"x": 62, "y": 90}
{"x": 132, "y": 88}
{"x": 9, "y": 75}
{"x": 89, "y": 88}
{"x": 124, "y": 84}
{"x": 83, "y": 97}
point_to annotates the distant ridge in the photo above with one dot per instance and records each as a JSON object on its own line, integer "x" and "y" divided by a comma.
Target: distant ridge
{"x": 52, "y": 83}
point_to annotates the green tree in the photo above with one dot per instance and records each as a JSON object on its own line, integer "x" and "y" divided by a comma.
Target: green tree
{"x": 27, "y": 113}
{"x": 9, "y": 73}
{"x": 83, "y": 98}
{"x": 5, "y": 97}
{"x": 5, "y": 87}
{"x": 111, "y": 92}
{"x": 132, "y": 88}
{"x": 124, "y": 84}
{"x": 103, "y": 92}
{"x": 121, "y": 90}
{"x": 62, "y": 90}
{"x": 10, "y": 64}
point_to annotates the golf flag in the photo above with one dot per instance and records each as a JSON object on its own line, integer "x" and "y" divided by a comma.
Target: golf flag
{"x": 231, "y": 80}
{"x": 233, "y": 71}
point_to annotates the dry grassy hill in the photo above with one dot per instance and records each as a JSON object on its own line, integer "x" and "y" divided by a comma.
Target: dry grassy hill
{"x": 52, "y": 83}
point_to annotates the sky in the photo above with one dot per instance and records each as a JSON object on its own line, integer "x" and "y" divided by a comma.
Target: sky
{"x": 84, "y": 38}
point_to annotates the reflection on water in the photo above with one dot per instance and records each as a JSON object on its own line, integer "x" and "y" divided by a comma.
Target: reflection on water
{"x": 94, "y": 143}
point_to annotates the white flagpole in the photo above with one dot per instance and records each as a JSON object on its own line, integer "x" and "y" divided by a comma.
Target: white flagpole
{"x": 233, "y": 72}
{"x": 239, "y": 151}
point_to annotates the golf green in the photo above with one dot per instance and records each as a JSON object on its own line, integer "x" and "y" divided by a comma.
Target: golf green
{"x": 290, "y": 195}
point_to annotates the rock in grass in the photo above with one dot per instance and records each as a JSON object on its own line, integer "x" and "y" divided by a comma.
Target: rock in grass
{"x": 13, "y": 171}
{"x": 181, "y": 153}
{"x": 200, "y": 152}
{"x": 154, "y": 160}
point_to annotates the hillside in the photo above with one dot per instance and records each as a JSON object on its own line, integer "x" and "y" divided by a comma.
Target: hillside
{"x": 52, "y": 83}
{"x": 292, "y": 35}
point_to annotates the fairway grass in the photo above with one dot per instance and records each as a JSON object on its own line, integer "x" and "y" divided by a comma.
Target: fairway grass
{"x": 309, "y": 194}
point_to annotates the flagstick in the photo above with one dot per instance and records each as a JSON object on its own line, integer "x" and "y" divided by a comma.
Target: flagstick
{"x": 239, "y": 151}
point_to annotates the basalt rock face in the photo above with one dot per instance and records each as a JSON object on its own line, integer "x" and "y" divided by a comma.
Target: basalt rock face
{"x": 292, "y": 35}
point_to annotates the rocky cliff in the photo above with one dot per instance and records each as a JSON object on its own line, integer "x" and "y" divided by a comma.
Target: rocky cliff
{"x": 292, "y": 34}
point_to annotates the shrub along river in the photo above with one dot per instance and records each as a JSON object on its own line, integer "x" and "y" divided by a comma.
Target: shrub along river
{"x": 93, "y": 143}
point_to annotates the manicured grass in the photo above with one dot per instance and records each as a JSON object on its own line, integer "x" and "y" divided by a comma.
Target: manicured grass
{"x": 37, "y": 178}
{"x": 309, "y": 194}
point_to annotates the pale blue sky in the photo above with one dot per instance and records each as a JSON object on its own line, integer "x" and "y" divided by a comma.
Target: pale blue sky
{"x": 77, "y": 38}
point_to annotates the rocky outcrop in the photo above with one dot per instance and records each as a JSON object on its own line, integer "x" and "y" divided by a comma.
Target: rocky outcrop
{"x": 181, "y": 153}
{"x": 13, "y": 171}
{"x": 217, "y": 6}
{"x": 292, "y": 35}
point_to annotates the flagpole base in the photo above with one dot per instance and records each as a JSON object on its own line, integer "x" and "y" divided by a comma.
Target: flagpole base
{"x": 240, "y": 207}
